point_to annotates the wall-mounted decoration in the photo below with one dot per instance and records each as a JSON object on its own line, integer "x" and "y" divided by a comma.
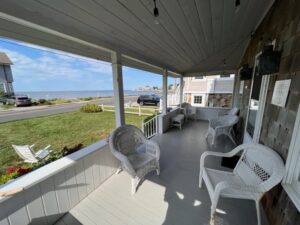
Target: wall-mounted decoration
{"x": 269, "y": 61}
{"x": 281, "y": 91}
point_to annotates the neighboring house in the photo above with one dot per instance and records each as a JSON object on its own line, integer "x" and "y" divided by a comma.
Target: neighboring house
{"x": 6, "y": 78}
{"x": 213, "y": 91}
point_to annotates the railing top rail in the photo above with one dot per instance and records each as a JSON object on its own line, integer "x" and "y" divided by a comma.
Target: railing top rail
{"x": 50, "y": 169}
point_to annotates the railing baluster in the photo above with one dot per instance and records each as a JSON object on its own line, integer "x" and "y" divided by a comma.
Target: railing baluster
{"x": 150, "y": 127}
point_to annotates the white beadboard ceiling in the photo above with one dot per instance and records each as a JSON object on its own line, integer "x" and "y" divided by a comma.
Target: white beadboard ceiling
{"x": 194, "y": 36}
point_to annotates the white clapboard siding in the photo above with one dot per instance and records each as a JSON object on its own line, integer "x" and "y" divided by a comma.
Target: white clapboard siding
{"x": 35, "y": 205}
{"x": 45, "y": 202}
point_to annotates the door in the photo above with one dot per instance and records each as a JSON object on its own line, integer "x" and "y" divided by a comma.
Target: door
{"x": 256, "y": 105}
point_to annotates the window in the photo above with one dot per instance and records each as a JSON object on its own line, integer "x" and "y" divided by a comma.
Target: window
{"x": 198, "y": 99}
{"x": 291, "y": 182}
{"x": 199, "y": 77}
{"x": 225, "y": 75}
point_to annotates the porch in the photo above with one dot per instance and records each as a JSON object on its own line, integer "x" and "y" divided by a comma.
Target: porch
{"x": 172, "y": 198}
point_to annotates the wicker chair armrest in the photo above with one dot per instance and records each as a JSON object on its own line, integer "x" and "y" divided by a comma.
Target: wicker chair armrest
{"x": 220, "y": 154}
{"x": 153, "y": 149}
{"x": 125, "y": 162}
{"x": 223, "y": 126}
{"x": 222, "y": 113}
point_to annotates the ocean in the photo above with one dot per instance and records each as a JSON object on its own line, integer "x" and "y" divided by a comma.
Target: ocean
{"x": 77, "y": 94}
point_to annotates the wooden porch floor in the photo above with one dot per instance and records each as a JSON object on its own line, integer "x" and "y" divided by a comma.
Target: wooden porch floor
{"x": 170, "y": 199}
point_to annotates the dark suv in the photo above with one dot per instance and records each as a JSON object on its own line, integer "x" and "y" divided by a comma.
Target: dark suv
{"x": 148, "y": 99}
{"x": 21, "y": 100}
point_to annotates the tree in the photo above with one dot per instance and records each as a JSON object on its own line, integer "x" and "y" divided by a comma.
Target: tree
{"x": 170, "y": 86}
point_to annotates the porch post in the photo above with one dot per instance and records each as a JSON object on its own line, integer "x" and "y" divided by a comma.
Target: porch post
{"x": 236, "y": 90}
{"x": 118, "y": 88}
{"x": 165, "y": 92}
{"x": 181, "y": 91}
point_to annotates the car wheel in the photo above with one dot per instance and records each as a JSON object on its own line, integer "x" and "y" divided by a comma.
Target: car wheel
{"x": 157, "y": 104}
{"x": 141, "y": 103}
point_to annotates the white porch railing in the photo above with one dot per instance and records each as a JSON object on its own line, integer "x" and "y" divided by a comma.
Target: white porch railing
{"x": 150, "y": 128}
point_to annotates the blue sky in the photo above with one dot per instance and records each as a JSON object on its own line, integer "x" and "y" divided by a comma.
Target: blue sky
{"x": 42, "y": 69}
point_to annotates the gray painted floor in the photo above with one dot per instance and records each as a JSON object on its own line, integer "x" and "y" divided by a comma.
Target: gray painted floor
{"x": 173, "y": 197}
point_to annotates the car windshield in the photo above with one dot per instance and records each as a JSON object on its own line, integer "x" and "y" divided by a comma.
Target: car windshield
{"x": 22, "y": 98}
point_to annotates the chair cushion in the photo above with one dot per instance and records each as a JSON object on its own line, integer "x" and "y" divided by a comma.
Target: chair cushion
{"x": 140, "y": 160}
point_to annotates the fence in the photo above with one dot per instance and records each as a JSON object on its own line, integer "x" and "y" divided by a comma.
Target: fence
{"x": 132, "y": 110}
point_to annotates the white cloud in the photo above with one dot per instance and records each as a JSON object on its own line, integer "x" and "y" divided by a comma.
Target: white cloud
{"x": 55, "y": 66}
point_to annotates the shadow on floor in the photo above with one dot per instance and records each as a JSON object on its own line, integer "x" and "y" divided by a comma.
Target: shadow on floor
{"x": 180, "y": 162}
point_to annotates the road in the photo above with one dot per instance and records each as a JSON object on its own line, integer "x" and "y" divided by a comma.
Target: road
{"x": 40, "y": 111}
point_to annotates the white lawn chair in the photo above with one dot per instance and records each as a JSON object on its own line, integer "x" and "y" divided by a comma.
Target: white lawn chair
{"x": 27, "y": 153}
{"x": 222, "y": 125}
{"x": 258, "y": 170}
{"x": 137, "y": 154}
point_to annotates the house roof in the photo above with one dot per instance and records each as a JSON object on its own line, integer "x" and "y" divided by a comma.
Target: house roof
{"x": 192, "y": 36}
{"x": 4, "y": 60}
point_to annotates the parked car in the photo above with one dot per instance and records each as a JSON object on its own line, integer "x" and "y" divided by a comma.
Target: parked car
{"x": 21, "y": 100}
{"x": 148, "y": 99}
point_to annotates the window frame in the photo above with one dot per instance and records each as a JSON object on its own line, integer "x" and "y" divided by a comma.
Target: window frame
{"x": 198, "y": 104}
{"x": 291, "y": 181}
{"x": 199, "y": 78}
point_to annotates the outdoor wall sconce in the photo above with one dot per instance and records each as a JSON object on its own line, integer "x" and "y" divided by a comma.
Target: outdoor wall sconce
{"x": 269, "y": 61}
{"x": 246, "y": 72}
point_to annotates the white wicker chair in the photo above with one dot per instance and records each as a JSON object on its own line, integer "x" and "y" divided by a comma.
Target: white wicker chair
{"x": 258, "y": 170}
{"x": 222, "y": 125}
{"x": 137, "y": 154}
{"x": 189, "y": 111}
{"x": 233, "y": 111}
{"x": 27, "y": 153}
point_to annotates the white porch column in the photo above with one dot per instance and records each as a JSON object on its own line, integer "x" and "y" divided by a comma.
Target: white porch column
{"x": 118, "y": 88}
{"x": 165, "y": 92}
{"x": 181, "y": 91}
{"x": 236, "y": 90}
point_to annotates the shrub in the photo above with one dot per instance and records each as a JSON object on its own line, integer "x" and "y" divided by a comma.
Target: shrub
{"x": 66, "y": 150}
{"x": 86, "y": 98}
{"x": 60, "y": 100}
{"x": 90, "y": 108}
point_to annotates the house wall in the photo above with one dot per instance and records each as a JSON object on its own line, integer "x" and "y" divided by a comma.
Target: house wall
{"x": 282, "y": 24}
{"x": 6, "y": 78}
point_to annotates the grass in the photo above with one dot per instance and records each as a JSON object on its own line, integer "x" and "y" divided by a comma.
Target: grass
{"x": 7, "y": 106}
{"x": 60, "y": 130}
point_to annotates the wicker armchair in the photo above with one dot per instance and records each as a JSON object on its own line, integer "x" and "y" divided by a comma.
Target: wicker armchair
{"x": 189, "y": 111}
{"x": 222, "y": 125}
{"x": 233, "y": 111}
{"x": 137, "y": 154}
{"x": 258, "y": 170}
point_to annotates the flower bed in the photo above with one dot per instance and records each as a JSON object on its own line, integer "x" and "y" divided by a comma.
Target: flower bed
{"x": 24, "y": 168}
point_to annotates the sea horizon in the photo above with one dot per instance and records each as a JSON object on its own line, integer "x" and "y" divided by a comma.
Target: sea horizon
{"x": 78, "y": 94}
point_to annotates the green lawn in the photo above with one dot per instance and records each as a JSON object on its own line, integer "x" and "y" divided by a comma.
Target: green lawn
{"x": 61, "y": 130}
